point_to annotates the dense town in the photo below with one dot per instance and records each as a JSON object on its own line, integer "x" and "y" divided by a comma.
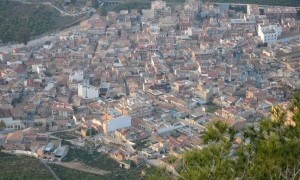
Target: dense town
{"x": 141, "y": 86}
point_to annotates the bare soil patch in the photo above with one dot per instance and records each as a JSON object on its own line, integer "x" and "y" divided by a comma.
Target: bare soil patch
{"x": 83, "y": 167}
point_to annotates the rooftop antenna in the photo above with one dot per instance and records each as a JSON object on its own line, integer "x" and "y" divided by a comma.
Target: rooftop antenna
{"x": 106, "y": 111}
{"x": 86, "y": 81}
{"x": 123, "y": 107}
{"x": 90, "y": 129}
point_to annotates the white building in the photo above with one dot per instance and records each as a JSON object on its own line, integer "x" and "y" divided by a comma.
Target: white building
{"x": 245, "y": 21}
{"x": 164, "y": 128}
{"x": 86, "y": 91}
{"x": 40, "y": 69}
{"x": 12, "y": 124}
{"x": 154, "y": 29}
{"x": 48, "y": 45}
{"x": 35, "y": 67}
{"x": 269, "y": 33}
{"x": 246, "y": 24}
{"x": 76, "y": 76}
{"x": 116, "y": 123}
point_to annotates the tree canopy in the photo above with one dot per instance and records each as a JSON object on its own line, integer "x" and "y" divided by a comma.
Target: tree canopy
{"x": 2, "y": 125}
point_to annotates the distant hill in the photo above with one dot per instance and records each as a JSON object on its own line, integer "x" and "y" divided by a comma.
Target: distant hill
{"x": 19, "y": 22}
{"x": 262, "y": 2}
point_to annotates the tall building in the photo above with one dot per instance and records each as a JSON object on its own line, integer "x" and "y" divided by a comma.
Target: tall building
{"x": 87, "y": 91}
{"x": 269, "y": 33}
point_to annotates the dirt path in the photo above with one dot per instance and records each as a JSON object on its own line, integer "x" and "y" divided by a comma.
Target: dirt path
{"x": 82, "y": 167}
{"x": 50, "y": 169}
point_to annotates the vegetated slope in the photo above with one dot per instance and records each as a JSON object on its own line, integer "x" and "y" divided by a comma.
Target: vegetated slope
{"x": 132, "y": 5}
{"x": 22, "y": 167}
{"x": 19, "y": 22}
{"x": 72, "y": 174}
{"x": 97, "y": 160}
{"x": 262, "y": 2}
{"x": 141, "y": 4}
{"x": 270, "y": 150}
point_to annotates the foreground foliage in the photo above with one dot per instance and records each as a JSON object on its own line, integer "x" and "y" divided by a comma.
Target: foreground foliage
{"x": 268, "y": 150}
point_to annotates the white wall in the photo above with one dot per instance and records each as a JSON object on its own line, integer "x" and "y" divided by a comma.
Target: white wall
{"x": 20, "y": 152}
{"x": 270, "y": 37}
{"x": 48, "y": 46}
{"x": 12, "y": 124}
{"x": 90, "y": 91}
{"x": 40, "y": 69}
{"x": 169, "y": 128}
{"x": 77, "y": 76}
{"x": 118, "y": 123}
{"x": 35, "y": 67}
{"x": 269, "y": 34}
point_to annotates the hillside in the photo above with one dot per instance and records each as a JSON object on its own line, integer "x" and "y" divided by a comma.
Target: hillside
{"x": 262, "y": 2}
{"x": 268, "y": 150}
{"x": 22, "y": 167}
{"x": 19, "y": 22}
